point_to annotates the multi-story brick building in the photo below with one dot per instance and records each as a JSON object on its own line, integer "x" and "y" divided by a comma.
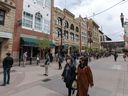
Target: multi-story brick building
{"x": 70, "y": 30}
{"x": 83, "y": 32}
{"x": 7, "y": 18}
{"x": 95, "y": 31}
{"x": 36, "y": 18}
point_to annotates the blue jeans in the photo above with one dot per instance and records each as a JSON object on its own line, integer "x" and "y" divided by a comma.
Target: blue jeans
{"x": 6, "y": 73}
{"x": 37, "y": 62}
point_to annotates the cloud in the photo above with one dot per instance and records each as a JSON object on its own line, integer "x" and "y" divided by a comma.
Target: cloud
{"x": 109, "y": 20}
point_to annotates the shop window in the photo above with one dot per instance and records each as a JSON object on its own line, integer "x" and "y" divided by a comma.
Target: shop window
{"x": 27, "y": 19}
{"x": 2, "y": 17}
{"x": 38, "y": 21}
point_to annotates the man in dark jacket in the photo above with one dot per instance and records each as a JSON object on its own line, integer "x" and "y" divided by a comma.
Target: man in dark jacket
{"x": 60, "y": 61}
{"x": 7, "y": 64}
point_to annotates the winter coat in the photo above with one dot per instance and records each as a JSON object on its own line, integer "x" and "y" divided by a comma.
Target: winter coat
{"x": 84, "y": 78}
{"x": 70, "y": 75}
{"x": 7, "y": 62}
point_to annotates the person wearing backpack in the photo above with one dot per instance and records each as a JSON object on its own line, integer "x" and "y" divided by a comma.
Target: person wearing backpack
{"x": 7, "y": 64}
{"x": 60, "y": 61}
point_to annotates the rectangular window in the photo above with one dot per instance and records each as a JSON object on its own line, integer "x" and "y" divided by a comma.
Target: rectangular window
{"x": 40, "y": 2}
{"x": 48, "y": 4}
{"x": 58, "y": 32}
{"x": 27, "y": 20}
{"x": 66, "y": 34}
{"x": 71, "y": 36}
{"x": 77, "y": 38}
{"x": 84, "y": 36}
{"x": 2, "y": 17}
{"x": 38, "y": 23}
{"x": 47, "y": 26}
{"x": 83, "y": 25}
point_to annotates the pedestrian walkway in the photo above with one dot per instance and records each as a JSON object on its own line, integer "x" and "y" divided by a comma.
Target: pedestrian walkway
{"x": 29, "y": 80}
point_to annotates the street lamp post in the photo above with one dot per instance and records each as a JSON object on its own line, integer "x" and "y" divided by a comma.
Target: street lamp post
{"x": 90, "y": 40}
{"x": 122, "y": 19}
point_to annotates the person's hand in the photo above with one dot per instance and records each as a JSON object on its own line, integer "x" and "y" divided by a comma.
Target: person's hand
{"x": 62, "y": 77}
{"x": 92, "y": 85}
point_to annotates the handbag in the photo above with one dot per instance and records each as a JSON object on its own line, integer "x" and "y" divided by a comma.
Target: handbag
{"x": 74, "y": 84}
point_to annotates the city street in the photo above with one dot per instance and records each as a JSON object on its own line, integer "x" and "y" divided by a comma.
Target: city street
{"x": 110, "y": 79}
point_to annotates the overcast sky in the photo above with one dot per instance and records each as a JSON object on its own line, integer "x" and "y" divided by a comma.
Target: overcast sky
{"x": 109, "y": 20}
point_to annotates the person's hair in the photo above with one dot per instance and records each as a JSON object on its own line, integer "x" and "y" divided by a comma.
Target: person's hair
{"x": 8, "y": 54}
{"x": 85, "y": 61}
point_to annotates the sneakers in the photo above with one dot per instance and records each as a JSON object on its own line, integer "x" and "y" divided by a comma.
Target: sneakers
{"x": 2, "y": 85}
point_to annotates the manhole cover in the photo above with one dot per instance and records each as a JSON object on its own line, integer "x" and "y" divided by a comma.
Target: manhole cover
{"x": 46, "y": 80}
{"x": 1, "y": 72}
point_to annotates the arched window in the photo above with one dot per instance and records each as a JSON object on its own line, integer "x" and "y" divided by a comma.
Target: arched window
{"x": 72, "y": 27}
{"x": 58, "y": 21}
{"x": 66, "y": 24}
{"x": 58, "y": 32}
{"x": 77, "y": 29}
{"x": 38, "y": 21}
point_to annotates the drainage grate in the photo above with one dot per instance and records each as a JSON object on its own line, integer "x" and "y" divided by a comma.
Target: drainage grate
{"x": 1, "y": 72}
{"x": 46, "y": 80}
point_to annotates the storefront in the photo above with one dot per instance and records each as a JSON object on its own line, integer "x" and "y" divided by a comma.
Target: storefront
{"x": 28, "y": 44}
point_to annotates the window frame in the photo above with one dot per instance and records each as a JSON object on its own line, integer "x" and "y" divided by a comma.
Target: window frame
{"x": 39, "y": 23}
{"x": 47, "y": 28}
{"x": 84, "y": 36}
{"x": 72, "y": 27}
{"x": 47, "y": 7}
{"x": 38, "y": 2}
{"x": 26, "y": 18}
{"x": 3, "y": 17}
{"x": 77, "y": 29}
{"x": 77, "y": 39}
{"x": 72, "y": 36}
{"x": 66, "y": 24}
{"x": 58, "y": 21}
{"x": 66, "y": 34}
{"x": 58, "y": 33}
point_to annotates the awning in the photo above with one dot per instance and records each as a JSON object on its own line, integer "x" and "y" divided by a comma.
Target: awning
{"x": 31, "y": 42}
{"x": 65, "y": 47}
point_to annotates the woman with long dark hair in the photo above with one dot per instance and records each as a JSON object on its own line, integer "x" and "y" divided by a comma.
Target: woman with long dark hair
{"x": 69, "y": 75}
{"x": 84, "y": 77}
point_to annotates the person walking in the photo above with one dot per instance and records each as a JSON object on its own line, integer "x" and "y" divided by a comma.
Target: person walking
{"x": 47, "y": 62}
{"x": 7, "y": 64}
{"x": 24, "y": 58}
{"x": 38, "y": 58}
{"x": 57, "y": 57}
{"x": 69, "y": 75}
{"x": 60, "y": 61}
{"x": 74, "y": 57}
{"x": 84, "y": 77}
{"x": 115, "y": 56}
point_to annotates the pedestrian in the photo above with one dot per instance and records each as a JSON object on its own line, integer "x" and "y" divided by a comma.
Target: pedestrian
{"x": 38, "y": 58}
{"x": 125, "y": 56}
{"x": 24, "y": 58}
{"x": 47, "y": 62}
{"x": 56, "y": 57}
{"x": 74, "y": 56}
{"x": 115, "y": 56}
{"x": 7, "y": 64}
{"x": 84, "y": 77}
{"x": 60, "y": 61}
{"x": 69, "y": 75}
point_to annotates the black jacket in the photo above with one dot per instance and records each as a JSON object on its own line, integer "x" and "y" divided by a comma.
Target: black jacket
{"x": 8, "y": 62}
{"x": 71, "y": 75}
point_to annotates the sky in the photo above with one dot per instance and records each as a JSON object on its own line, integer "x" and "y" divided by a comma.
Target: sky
{"x": 109, "y": 20}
